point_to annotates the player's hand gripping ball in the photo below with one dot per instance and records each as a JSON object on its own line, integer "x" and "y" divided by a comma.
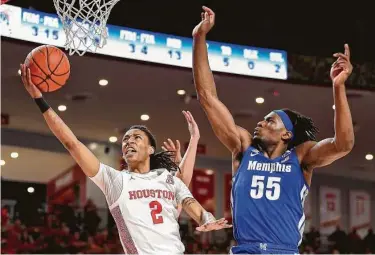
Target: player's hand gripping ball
{"x": 49, "y": 67}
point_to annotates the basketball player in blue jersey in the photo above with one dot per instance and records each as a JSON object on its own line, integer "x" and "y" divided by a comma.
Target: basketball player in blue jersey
{"x": 272, "y": 169}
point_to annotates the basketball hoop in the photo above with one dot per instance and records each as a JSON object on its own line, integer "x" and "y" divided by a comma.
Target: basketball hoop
{"x": 85, "y": 24}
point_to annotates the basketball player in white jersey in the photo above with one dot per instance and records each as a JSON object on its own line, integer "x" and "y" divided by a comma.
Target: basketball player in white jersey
{"x": 143, "y": 200}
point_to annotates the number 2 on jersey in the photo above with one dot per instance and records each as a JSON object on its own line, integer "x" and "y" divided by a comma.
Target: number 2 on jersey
{"x": 272, "y": 187}
{"x": 156, "y": 209}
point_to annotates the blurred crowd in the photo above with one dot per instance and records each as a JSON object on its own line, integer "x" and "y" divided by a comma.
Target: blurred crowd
{"x": 339, "y": 242}
{"x": 62, "y": 230}
{"x": 65, "y": 229}
{"x": 68, "y": 230}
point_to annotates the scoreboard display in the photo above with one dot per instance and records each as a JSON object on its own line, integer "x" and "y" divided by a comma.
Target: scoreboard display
{"x": 123, "y": 42}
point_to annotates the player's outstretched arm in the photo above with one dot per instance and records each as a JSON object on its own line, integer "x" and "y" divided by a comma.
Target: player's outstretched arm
{"x": 219, "y": 116}
{"x": 326, "y": 151}
{"x": 206, "y": 220}
{"x": 187, "y": 163}
{"x": 81, "y": 154}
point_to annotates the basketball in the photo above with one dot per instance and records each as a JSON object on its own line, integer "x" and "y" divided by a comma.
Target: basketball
{"x": 49, "y": 67}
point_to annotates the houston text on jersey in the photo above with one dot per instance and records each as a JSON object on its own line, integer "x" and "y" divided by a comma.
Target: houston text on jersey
{"x": 154, "y": 193}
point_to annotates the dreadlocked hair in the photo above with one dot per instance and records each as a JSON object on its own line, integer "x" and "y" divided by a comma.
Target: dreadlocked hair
{"x": 161, "y": 159}
{"x": 304, "y": 128}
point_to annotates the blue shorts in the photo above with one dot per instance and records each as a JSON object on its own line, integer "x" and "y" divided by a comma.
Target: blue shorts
{"x": 263, "y": 248}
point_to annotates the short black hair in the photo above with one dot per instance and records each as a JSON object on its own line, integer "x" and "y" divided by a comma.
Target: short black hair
{"x": 161, "y": 159}
{"x": 303, "y": 126}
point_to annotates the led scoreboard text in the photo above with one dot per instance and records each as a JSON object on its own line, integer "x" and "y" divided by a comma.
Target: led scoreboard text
{"x": 43, "y": 28}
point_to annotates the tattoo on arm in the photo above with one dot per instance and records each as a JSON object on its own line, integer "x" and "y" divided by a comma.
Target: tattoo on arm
{"x": 200, "y": 215}
{"x": 188, "y": 201}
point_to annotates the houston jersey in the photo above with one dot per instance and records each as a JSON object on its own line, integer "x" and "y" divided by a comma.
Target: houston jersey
{"x": 144, "y": 207}
{"x": 267, "y": 199}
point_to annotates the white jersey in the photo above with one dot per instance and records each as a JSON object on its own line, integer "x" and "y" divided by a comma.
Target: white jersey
{"x": 144, "y": 207}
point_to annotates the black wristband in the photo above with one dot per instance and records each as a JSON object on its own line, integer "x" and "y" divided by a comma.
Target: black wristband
{"x": 42, "y": 104}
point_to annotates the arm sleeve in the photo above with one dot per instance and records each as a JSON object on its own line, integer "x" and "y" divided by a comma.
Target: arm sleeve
{"x": 110, "y": 181}
{"x": 182, "y": 191}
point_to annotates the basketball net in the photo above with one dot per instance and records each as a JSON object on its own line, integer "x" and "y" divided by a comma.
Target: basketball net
{"x": 84, "y": 23}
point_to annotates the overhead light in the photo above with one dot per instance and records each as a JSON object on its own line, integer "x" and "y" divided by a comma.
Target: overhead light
{"x": 113, "y": 139}
{"x": 369, "y": 157}
{"x": 103, "y": 82}
{"x": 333, "y": 107}
{"x": 19, "y": 72}
{"x": 209, "y": 172}
{"x": 14, "y": 155}
{"x": 61, "y": 108}
{"x": 259, "y": 100}
{"x": 145, "y": 117}
{"x": 2, "y": 162}
{"x": 181, "y": 92}
{"x": 30, "y": 189}
{"x": 93, "y": 146}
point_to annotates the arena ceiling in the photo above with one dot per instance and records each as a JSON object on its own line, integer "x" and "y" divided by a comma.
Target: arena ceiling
{"x": 33, "y": 165}
{"x": 137, "y": 88}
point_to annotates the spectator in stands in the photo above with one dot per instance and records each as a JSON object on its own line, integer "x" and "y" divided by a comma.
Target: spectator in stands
{"x": 17, "y": 226}
{"x": 313, "y": 238}
{"x": 355, "y": 242}
{"x": 93, "y": 247}
{"x": 10, "y": 241}
{"x": 339, "y": 240}
{"x": 91, "y": 217}
{"x": 4, "y": 216}
{"x": 308, "y": 250}
{"x": 67, "y": 213}
{"x": 76, "y": 244}
{"x": 26, "y": 244}
{"x": 369, "y": 241}
{"x": 25, "y": 238}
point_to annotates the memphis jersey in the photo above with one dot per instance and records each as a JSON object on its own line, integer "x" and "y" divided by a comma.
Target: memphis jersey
{"x": 267, "y": 199}
{"x": 144, "y": 207}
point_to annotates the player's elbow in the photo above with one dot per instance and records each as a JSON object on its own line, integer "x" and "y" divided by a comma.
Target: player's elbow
{"x": 344, "y": 147}
{"x": 348, "y": 147}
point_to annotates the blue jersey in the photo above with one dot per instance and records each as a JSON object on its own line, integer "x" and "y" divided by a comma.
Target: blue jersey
{"x": 267, "y": 199}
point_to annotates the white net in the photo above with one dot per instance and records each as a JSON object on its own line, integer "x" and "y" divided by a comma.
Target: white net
{"x": 84, "y": 23}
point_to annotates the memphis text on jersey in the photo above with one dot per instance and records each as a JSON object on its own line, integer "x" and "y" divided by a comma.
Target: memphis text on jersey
{"x": 269, "y": 167}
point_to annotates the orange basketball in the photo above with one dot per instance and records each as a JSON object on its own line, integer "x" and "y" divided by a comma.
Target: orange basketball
{"x": 49, "y": 67}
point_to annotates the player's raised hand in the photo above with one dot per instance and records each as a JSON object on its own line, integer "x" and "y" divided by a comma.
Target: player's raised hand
{"x": 341, "y": 68}
{"x": 169, "y": 145}
{"x": 214, "y": 225}
{"x": 29, "y": 85}
{"x": 192, "y": 125}
{"x": 207, "y": 22}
